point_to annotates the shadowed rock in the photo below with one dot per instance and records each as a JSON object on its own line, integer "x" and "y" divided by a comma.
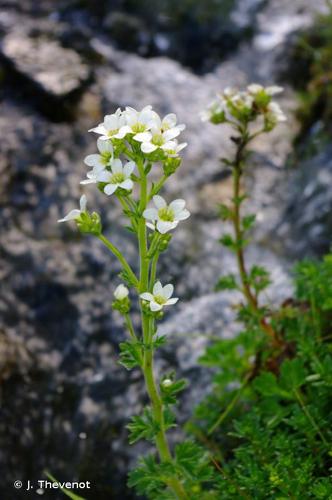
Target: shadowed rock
{"x": 53, "y": 75}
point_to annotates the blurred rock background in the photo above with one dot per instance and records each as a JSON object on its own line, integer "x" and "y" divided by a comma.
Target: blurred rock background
{"x": 63, "y": 65}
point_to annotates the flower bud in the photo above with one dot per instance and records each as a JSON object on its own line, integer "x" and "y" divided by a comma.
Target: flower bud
{"x": 121, "y": 292}
{"x": 167, "y": 382}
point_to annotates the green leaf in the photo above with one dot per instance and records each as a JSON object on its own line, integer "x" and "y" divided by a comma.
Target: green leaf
{"x": 169, "y": 393}
{"x": 130, "y": 354}
{"x": 225, "y": 212}
{"x": 267, "y": 385}
{"x": 143, "y": 427}
{"x": 64, "y": 490}
{"x": 227, "y": 282}
{"x": 150, "y": 478}
{"x": 293, "y": 373}
{"x": 228, "y": 241}
{"x": 248, "y": 221}
{"x": 259, "y": 278}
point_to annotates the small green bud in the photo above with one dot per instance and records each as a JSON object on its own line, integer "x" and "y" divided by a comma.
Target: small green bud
{"x": 122, "y": 301}
{"x": 89, "y": 223}
{"x": 171, "y": 164}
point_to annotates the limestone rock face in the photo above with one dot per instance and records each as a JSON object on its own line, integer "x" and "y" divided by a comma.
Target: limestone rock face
{"x": 65, "y": 400}
{"x": 55, "y": 75}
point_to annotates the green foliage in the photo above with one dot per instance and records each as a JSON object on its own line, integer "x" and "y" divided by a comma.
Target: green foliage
{"x": 169, "y": 392}
{"x": 227, "y": 282}
{"x": 143, "y": 427}
{"x": 267, "y": 421}
{"x": 150, "y": 478}
{"x": 259, "y": 278}
{"x": 130, "y": 354}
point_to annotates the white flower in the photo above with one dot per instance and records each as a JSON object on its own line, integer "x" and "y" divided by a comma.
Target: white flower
{"x": 165, "y": 217}
{"x": 119, "y": 177}
{"x": 160, "y": 296}
{"x": 138, "y": 122}
{"x": 98, "y": 162}
{"x": 274, "y": 113}
{"x": 162, "y": 134}
{"x": 256, "y": 88}
{"x": 110, "y": 127}
{"x": 74, "y": 214}
{"x": 121, "y": 292}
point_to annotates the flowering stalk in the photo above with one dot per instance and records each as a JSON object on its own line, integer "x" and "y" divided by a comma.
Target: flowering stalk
{"x": 250, "y": 113}
{"x": 129, "y": 145}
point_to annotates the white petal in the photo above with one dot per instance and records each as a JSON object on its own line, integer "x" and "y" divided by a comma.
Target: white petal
{"x": 159, "y": 201}
{"x": 122, "y": 132}
{"x": 110, "y": 189}
{"x": 100, "y": 129}
{"x": 73, "y": 214}
{"x": 89, "y": 181}
{"x": 168, "y": 291}
{"x": 92, "y": 160}
{"x": 146, "y": 296}
{"x": 111, "y": 122}
{"x": 254, "y": 88}
{"x": 129, "y": 168}
{"x": 169, "y": 146}
{"x": 155, "y": 307}
{"x": 183, "y": 215}
{"x": 143, "y": 137}
{"x": 171, "y": 134}
{"x": 165, "y": 226}
{"x": 169, "y": 120}
{"x": 170, "y": 302}
{"x": 83, "y": 202}
{"x": 104, "y": 176}
{"x": 127, "y": 184}
{"x": 150, "y": 214}
{"x": 104, "y": 146}
{"x": 274, "y": 89}
{"x": 151, "y": 226}
{"x": 117, "y": 166}
{"x": 148, "y": 147}
{"x": 157, "y": 289}
{"x": 177, "y": 206}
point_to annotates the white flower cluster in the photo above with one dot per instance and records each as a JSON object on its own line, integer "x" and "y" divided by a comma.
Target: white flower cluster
{"x": 236, "y": 107}
{"x": 146, "y": 127}
{"x": 123, "y": 132}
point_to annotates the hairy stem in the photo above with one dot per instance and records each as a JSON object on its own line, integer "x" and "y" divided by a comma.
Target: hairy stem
{"x": 248, "y": 293}
{"x": 148, "y": 332}
{"x": 115, "y": 251}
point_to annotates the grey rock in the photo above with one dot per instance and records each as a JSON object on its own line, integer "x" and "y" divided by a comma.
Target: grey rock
{"x": 52, "y": 72}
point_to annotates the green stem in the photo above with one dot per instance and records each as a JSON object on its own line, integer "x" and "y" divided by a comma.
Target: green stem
{"x": 309, "y": 417}
{"x": 130, "y": 327}
{"x": 153, "y": 270}
{"x": 157, "y": 187}
{"x": 148, "y": 331}
{"x": 230, "y": 406}
{"x": 115, "y": 251}
{"x": 249, "y": 295}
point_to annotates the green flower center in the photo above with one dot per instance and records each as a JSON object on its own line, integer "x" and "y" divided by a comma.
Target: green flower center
{"x": 138, "y": 128}
{"x": 105, "y": 157}
{"x": 160, "y": 299}
{"x": 117, "y": 178}
{"x": 166, "y": 214}
{"x": 110, "y": 133}
{"x": 158, "y": 140}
